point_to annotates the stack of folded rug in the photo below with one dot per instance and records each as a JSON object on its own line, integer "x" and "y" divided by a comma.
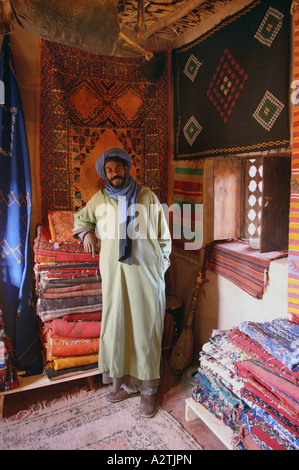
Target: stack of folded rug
{"x": 8, "y": 373}
{"x": 69, "y": 300}
{"x": 217, "y": 387}
{"x": 271, "y": 382}
{"x": 258, "y": 363}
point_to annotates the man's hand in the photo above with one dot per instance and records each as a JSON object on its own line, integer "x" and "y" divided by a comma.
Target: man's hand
{"x": 89, "y": 243}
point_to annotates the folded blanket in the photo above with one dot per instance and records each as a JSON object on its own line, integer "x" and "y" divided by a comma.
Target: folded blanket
{"x": 263, "y": 434}
{"x": 51, "y": 314}
{"x": 78, "y": 287}
{"x": 238, "y": 263}
{"x": 217, "y": 398}
{"x": 75, "y": 329}
{"x": 74, "y": 361}
{"x": 257, "y": 352}
{"x": 71, "y": 347}
{"x": 252, "y": 395}
{"x": 53, "y": 374}
{"x": 279, "y": 337}
{"x": 84, "y": 316}
{"x": 65, "y": 295}
{"x": 44, "y": 305}
{"x": 258, "y": 412}
{"x": 278, "y": 387}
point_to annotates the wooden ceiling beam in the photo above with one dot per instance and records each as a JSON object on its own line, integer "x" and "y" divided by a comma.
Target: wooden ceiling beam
{"x": 173, "y": 17}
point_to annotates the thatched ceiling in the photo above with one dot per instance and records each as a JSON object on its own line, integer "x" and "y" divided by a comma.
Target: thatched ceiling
{"x": 111, "y": 27}
{"x": 165, "y": 20}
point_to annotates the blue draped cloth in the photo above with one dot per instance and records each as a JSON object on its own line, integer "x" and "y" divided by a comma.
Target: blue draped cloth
{"x": 15, "y": 214}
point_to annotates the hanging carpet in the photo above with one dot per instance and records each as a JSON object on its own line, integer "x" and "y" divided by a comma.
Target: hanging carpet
{"x": 231, "y": 85}
{"x": 188, "y": 198}
{"x": 90, "y": 103}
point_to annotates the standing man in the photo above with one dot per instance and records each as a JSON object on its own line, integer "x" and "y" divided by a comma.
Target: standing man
{"x": 134, "y": 256}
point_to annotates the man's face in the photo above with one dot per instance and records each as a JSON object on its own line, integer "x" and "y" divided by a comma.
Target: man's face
{"x": 116, "y": 173}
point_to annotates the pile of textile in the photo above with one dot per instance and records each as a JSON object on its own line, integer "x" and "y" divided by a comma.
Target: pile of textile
{"x": 248, "y": 378}
{"x": 8, "y": 372}
{"x": 69, "y": 305}
{"x": 217, "y": 387}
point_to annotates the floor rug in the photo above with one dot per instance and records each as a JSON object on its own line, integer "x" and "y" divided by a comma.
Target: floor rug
{"x": 86, "y": 421}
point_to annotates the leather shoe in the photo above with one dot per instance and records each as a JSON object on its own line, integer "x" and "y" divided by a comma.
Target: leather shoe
{"x": 148, "y": 406}
{"x": 120, "y": 395}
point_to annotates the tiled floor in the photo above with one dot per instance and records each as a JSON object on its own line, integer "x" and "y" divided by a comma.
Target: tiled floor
{"x": 172, "y": 395}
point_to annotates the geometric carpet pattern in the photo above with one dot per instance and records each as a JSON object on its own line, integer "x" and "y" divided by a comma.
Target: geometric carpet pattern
{"x": 231, "y": 84}
{"x": 90, "y": 103}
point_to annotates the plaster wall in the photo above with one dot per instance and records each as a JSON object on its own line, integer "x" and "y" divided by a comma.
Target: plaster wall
{"x": 224, "y": 305}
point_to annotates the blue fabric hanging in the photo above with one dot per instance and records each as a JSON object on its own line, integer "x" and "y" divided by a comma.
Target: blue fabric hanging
{"x": 15, "y": 213}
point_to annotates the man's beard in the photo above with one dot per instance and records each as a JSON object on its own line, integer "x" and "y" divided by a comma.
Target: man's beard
{"x": 117, "y": 181}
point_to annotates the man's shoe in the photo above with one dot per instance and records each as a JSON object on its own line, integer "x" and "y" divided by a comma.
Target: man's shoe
{"x": 148, "y": 406}
{"x": 120, "y": 395}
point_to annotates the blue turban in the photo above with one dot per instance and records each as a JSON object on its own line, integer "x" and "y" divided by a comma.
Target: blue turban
{"x": 100, "y": 163}
{"x": 129, "y": 191}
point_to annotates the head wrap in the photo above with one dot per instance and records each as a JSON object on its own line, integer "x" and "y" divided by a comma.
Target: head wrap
{"x": 100, "y": 163}
{"x": 129, "y": 196}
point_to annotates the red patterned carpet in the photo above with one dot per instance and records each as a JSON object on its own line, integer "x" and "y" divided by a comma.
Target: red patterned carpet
{"x": 88, "y": 104}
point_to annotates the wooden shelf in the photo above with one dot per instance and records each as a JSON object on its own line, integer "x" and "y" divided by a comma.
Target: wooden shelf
{"x": 195, "y": 410}
{"x": 38, "y": 381}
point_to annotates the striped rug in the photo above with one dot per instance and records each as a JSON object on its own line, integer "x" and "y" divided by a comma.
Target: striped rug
{"x": 293, "y": 274}
{"x": 188, "y": 197}
{"x": 242, "y": 265}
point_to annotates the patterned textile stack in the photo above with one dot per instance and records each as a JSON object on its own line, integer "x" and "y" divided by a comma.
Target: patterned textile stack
{"x": 8, "y": 373}
{"x": 271, "y": 382}
{"x": 248, "y": 378}
{"x": 217, "y": 387}
{"x": 69, "y": 302}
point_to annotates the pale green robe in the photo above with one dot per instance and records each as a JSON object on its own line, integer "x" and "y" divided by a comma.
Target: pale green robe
{"x": 133, "y": 295}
